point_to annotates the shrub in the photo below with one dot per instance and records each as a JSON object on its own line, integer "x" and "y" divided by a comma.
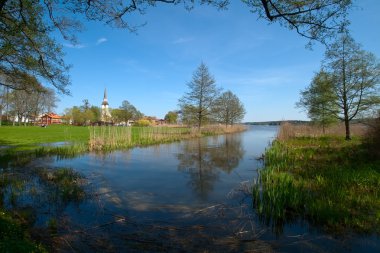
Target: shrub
{"x": 143, "y": 123}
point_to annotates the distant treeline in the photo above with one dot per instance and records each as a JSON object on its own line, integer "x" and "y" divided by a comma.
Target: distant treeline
{"x": 277, "y": 123}
{"x": 301, "y": 122}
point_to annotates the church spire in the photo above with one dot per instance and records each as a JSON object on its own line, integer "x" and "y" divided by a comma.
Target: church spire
{"x": 106, "y": 115}
{"x": 105, "y": 100}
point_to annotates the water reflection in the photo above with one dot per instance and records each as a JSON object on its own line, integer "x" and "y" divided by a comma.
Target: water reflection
{"x": 203, "y": 159}
{"x": 165, "y": 198}
{"x": 40, "y": 191}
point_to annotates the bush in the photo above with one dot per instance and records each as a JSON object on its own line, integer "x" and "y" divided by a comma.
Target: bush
{"x": 143, "y": 123}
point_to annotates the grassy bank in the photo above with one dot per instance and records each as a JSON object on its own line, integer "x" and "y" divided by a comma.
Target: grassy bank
{"x": 331, "y": 182}
{"x": 22, "y": 144}
{"x": 30, "y": 136}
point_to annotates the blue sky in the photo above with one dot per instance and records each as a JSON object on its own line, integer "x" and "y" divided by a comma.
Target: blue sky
{"x": 265, "y": 65}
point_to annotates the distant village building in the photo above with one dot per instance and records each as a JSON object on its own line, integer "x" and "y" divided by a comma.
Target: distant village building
{"x": 50, "y": 118}
{"x": 106, "y": 115}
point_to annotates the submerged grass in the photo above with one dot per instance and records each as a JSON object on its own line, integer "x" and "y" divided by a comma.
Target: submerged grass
{"x": 61, "y": 186}
{"x": 13, "y": 236}
{"x": 327, "y": 180}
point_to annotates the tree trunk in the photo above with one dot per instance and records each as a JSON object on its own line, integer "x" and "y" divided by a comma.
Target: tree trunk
{"x": 199, "y": 120}
{"x": 347, "y": 125}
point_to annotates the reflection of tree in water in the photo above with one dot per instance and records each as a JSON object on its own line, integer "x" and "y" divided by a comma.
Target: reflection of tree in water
{"x": 228, "y": 154}
{"x": 203, "y": 161}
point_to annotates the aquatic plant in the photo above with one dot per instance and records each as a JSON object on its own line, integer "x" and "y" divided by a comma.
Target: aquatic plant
{"x": 327, "y": 180}
{"x": 67, "y": 183}
{"x": 13, "y": 236}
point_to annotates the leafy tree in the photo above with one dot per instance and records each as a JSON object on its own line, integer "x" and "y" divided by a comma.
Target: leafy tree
{"x": 355, "y": 75}
{"x": 189, "y": 114}
{"x": 202, "y": 93}
{"x": 83, "y": 115}
{"x": 85, "y": 112}
{"x": 117, "y": 115}
{"x": 129, "y": 112}
{"x": 319, "y": 100}
{"x": 77, "y": 116}
{"x": 27, "y": 105}
{"x": 96, "y": 113}
{"x": 86, "y": 105}
{"x": 68, "y": 115}
{"x": 171, "y": 117}
{"x": 27, "y": 46}
{"x": 228, "y": 109}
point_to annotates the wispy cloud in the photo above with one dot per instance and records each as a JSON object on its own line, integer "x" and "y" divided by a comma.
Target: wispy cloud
{"x": 76, "y": 46}
{"x": 182, "y": 40}
{"x": 289, "y": 76}
{"x": 101, "y": 40}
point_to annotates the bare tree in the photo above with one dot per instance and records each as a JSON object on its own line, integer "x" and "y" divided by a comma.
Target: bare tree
{"x": 198, "y": 101}
{"x": 28, "y": 105}
{"x": 316, "y": 20}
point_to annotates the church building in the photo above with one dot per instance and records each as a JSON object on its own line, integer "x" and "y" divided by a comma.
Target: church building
{"x": 106, "y": 115}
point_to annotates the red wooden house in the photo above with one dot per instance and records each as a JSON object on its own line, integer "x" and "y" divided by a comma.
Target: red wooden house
{"x": 50, "y": 118}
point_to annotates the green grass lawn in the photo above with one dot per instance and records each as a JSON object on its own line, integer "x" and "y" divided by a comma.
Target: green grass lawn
{"x": 32, "y": 135}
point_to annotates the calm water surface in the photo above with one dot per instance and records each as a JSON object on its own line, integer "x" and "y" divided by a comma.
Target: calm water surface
{"x": 190, "y": 196}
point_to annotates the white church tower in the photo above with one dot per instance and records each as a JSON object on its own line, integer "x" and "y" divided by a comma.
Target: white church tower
{"x": 106, "y": 115}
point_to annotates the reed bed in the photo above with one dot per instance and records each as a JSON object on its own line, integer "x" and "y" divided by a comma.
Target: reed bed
{"x": 110, "y": 137}
{"x": 288, "y": 131}
{"x": 222, "y": 129}
{"x": 328, "y": 181}
{"x": 107, "y": 136}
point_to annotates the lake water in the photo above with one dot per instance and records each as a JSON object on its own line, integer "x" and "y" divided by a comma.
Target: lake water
{"x": 189, "y": 196}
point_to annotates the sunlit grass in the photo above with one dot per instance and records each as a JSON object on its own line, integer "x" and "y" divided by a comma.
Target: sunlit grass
{"x": 79, "y": 139}
{"x": 28, "y": 137}
{"x": 329, "y": 181}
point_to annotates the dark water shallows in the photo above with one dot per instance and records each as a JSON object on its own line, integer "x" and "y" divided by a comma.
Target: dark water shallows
{"x": 190, "y": 196}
